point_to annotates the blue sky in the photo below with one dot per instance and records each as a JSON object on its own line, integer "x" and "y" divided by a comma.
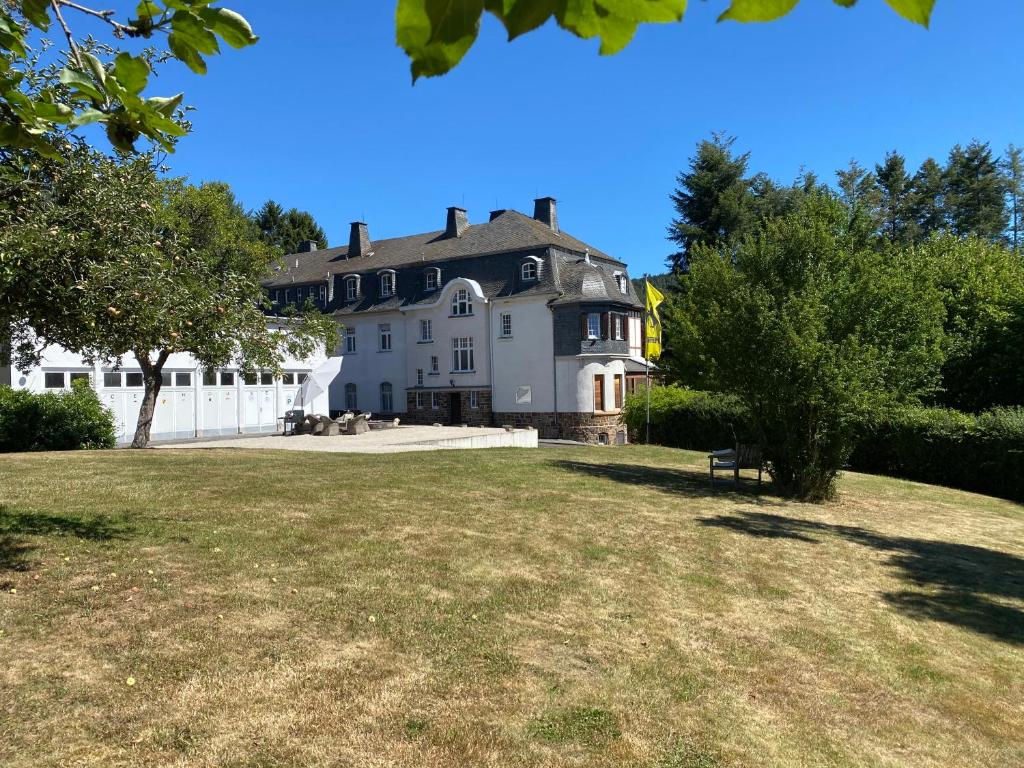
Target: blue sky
{"x": 322, "y": 114}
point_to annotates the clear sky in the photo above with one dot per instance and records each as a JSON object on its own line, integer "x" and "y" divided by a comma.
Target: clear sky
{"x": 322, "y": 114}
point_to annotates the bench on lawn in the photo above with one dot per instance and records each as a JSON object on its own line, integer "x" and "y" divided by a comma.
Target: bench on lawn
{"x": 743, "y": 456}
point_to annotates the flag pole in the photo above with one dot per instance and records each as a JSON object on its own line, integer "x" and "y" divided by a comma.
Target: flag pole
{"x": 647, "y": 362}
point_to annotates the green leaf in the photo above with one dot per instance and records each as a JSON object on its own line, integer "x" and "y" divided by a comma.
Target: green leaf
{"x": 231, "y": 26}
{"x": 184, "y": 51}
{"x": 95, "y": 67}
{"x": 89, "y": 116}
{"x": 522, "y": 16}
{"x": 757, "y": 10}
{"x": 165, "y": 105}
{"x": 918, "y": 11}
{"x": 131, "y": 72}
{"x": 190, "y": 28}
{"x": 37, "y": 13}
{"x": 436, "y": 33}
{"x": 81, "y": 82}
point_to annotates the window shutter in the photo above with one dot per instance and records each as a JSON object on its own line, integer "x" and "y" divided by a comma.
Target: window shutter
{"x": 606, "y": 320}
{"x": 583, "y": 326}
{"x": 625, "y": 328}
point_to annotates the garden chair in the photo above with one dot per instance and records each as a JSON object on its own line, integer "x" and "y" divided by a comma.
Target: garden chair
{"x": 743, "y": 456}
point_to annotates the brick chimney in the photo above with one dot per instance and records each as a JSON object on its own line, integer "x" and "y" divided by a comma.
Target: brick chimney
{"x": 358, "y": 240}
{"x": 457, "y": 222}
{"x": 308, "y": 246}
{"x": 546, "y": 212}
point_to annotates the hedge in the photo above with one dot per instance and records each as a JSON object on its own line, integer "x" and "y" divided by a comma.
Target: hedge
{"x": 54, "y": 421}
{"x": 983, "y": 453}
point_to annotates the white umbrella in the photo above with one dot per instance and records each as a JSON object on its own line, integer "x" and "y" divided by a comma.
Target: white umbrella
{"x": 317, "y": 383}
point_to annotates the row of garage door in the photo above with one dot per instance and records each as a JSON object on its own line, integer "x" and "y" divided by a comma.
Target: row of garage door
{"x": 223, "y": 410}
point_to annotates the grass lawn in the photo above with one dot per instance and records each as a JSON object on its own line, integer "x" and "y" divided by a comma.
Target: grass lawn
{"x": 571, "y": 606}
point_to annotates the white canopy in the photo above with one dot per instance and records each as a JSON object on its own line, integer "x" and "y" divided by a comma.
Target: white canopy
{"x": 313, "y": 394}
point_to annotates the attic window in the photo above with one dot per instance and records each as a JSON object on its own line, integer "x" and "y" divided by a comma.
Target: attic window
{"x": 529, "y": 270}
{"x": 351, "y": 287}
{"x": 620, "y": 280}
{"x": 387, "y": 283}
{"x": 432, "y": 278}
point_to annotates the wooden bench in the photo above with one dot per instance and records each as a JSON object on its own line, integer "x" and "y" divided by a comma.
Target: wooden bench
{"x": 734, "y": 459}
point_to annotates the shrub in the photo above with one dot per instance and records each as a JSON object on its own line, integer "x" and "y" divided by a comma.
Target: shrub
{"x": 687, "y": 418}
{"x": 983, "y": 453}
{"x": 53, "y": 421}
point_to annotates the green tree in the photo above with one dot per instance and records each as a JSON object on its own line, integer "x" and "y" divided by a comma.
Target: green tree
{"x": 928, "y": 199}
{"x": 285, "y": 230}
{"x": 711, "y": 198}
{"x": 858, "y": 189}
{"x": 982, "y": 288}
{"x": 975, "y": 192}
{"x": 117, "y": 261}
{"x": 813, "y": 328}
{"x": 1013, "y": 170}
{"x": 896, "y": 199}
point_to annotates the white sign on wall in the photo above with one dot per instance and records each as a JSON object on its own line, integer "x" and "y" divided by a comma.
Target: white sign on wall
{"x": 524, "y": 395}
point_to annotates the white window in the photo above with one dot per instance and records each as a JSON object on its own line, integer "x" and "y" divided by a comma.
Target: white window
{"x": 227, "y": 379}
{"x": 617, "y": 327}
{"x": 301, "y": 377}
{"x": 135, "y": 379}
{"x": 419, "y": 377}
{"x": 350, "y": 340}
{"x": 593, "y": 325}
{"x": 431, "y": 279}
{"x": 112, "y": 379}
{"x": 384, "y": 330}
{"x": 300, "y": 294}
{"x": 433, "y": 364}
{"x": 426, "y": 330}
{"x": 461, "y": 304}
{"x": 506, "y": 325}
{"x": 351, "y": 288}
{"x": 53, "y": 380}
{"x": 462, "y": 354}
{"x": 350, "y": 397}
{"x": 621, "y": 280}
{"x": 287, "y": 378}
{"x": 421, "y": 399}
{"x": 323, "y": 294}
{"x": 288, "y": 296}
{"x": 387, "y": 404}
{"x": 474, "y": 399}
{"x": 435, "y": 400}
{"x": 529, "y": 270}
{"x": 387, "y": 284}
{"x": 184, "y": 379}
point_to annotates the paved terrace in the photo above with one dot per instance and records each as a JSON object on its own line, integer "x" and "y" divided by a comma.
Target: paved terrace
{"x": 398, "y": 440}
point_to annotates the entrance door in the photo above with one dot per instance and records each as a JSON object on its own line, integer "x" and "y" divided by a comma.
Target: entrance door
{"x": 455, "y": 408}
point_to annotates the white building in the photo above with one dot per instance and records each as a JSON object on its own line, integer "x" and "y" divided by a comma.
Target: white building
{"x": 192, "y": 402}
{"x": 508, "y": 322}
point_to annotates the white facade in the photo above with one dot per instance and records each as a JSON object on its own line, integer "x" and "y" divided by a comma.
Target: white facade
{"x": 192, "y": 402}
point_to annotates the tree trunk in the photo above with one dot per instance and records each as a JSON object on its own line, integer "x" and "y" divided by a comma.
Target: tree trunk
{"x": 151, "y": 379}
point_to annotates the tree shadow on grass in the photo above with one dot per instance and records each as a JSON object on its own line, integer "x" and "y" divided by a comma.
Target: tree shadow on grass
{"x": 956, "y": 583}
{"x": 686, "y": 482}
{"x": 16, "y": 525}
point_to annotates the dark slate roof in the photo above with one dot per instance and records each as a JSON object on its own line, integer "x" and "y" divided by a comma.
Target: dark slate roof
{"x": 509, "y": 231}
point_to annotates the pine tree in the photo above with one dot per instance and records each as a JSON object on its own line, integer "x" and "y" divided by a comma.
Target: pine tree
{"x": 1013, "y": 169}
{"x": 711, "y": 198}
{"x": 858, "y": 190}
{"x": 895, "y": 189}
{"x": 976, "y": 192}
{"x": 287, "y": 229}
{"x": 928, "y": 200}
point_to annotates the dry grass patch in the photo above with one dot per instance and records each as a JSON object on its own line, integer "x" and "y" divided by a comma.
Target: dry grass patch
{"x": 579, "y": 607}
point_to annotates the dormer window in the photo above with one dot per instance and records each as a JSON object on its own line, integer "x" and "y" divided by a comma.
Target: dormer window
{"x": 621, "y": 281}
{"x": 387, "y": 283}
{"x": 461, "y": 303}
{"x": 351, "y": 287}
{"x": 528, "y": 271}
{"x": 432, "y": 278}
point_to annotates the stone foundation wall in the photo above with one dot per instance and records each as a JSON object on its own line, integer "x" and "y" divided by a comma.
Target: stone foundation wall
{"x": 591, "y": 428}
{"x": 475, "y": 417}
{"x": 546, "y": 424}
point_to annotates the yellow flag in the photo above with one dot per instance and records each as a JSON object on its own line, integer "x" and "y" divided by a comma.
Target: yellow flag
{"x": 652, "y": 322}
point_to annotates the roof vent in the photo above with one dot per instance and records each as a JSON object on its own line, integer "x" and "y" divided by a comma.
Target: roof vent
{"x": 308, "y": 246}
{"x": 457, "y": 222}
{"x": 358, "y": 240}
{"x": 495, "y": 214}
{"x": 545, "y": 210}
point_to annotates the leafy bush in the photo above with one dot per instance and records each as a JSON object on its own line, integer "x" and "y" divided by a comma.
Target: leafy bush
{"x": 687, "y": 418}
{"x": 983, "y": 453}
{"x": 52, "y": 421}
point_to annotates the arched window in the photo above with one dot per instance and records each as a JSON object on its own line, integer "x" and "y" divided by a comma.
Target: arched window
{"x": 529, "y": 270}
{"x": 351, "y": 288}
{"x": 387, "y": 284}
{"x": 432, "y": 278}
{"x": 387, "y": 404}
{"x": 350, "y": 397}
{"x": 461, "y": 303}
